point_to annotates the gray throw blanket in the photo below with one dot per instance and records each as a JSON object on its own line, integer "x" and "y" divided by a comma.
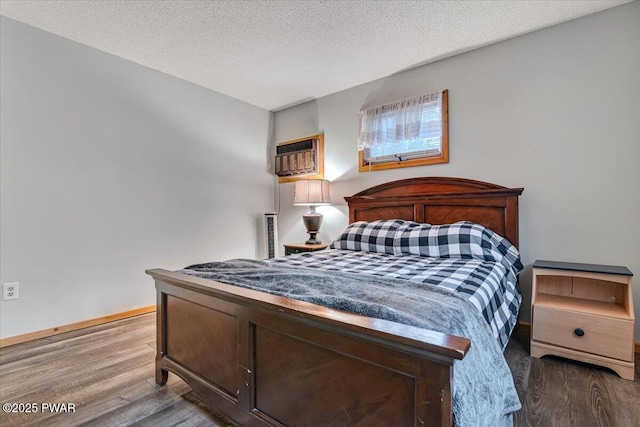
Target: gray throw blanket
{"x": 483, "y": 389}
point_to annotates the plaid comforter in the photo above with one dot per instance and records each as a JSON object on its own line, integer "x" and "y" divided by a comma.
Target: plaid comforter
{"x": 488, "y": 285}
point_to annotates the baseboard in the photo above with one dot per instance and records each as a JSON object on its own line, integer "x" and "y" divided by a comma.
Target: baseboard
{"x": 526, "y": 327}
{"x": 18, "y": 339}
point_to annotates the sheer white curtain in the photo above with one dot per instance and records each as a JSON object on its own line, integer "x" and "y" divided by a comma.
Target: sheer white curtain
{"x": 412, "y": 120}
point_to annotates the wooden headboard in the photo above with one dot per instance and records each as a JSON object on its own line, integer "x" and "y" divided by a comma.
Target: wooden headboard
{"x": 440, "y": 200}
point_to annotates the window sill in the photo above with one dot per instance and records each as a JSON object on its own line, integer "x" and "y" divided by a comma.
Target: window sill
{"x": 366, "y": 167}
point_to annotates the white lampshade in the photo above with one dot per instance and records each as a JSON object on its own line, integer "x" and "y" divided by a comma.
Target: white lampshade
{"x": 312, "y": 192}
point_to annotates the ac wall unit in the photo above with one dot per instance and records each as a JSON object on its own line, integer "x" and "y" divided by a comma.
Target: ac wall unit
{"x": 271, "y": 234}
{"x": 300, "y": 158}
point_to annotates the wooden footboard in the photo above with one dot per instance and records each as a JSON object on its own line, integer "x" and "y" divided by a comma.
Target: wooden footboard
{"x": 263, "y": 360}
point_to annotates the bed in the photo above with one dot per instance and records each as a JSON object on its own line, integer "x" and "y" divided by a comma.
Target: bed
{"x": 261, "y": 359}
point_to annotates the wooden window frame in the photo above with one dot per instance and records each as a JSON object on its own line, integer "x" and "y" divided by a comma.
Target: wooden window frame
{"x": 364, "y": 166}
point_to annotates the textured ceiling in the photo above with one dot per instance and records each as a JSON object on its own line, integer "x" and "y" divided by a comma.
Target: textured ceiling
{"x": 275, "y": 54}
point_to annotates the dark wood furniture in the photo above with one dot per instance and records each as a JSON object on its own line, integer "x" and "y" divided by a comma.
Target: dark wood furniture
{"x": 296, "y": 248}
{"x": 584, "y": 312}
{"x": 264, "y": 360}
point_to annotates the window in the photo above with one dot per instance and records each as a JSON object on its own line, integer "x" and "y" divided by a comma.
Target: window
{"x": 411, "y": 132}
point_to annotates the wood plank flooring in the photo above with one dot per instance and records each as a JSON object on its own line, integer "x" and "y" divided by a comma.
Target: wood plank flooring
{"x": 107, "y": 371}
{"x": 558, "y": 392}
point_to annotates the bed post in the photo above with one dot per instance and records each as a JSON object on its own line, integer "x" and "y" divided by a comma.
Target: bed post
{"x": 161, "y": 374}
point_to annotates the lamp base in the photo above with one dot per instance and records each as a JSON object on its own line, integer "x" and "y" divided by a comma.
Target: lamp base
{"x": 312, "y": 222}
{"x": 312, "y": 240}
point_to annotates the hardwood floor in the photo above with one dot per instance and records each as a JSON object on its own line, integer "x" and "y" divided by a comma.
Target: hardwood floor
{"x": 107, "y": 372}
{"x": 559, "y": 392}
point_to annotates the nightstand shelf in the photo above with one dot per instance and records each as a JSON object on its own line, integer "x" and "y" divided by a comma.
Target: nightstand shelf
{"x": 601, "y": 308}
{"x": 296, "y": 248}
{"x": 583, "y": 312}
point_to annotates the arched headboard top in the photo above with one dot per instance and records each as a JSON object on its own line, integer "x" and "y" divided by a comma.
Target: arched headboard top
{"x": 430, "y": 185}
{"x": 440, "y": 200}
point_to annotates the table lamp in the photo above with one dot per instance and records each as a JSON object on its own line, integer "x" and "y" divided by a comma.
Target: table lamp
{"x": 312, "y": 193}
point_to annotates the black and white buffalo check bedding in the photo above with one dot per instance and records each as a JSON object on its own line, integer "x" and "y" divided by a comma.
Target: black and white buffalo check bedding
{"x": 488, "y": 285}
{"x": 464, "y": 257}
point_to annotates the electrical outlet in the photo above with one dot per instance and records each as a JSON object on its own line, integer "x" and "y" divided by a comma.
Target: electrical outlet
{"x": 10, "y": 291}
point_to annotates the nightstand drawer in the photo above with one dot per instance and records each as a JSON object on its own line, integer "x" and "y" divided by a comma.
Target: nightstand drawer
{"x": 604, "y": 336}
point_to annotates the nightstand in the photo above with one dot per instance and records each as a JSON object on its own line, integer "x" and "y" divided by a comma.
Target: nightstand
{"x": 583, "y": 312}
{"x": 296, "y": 248}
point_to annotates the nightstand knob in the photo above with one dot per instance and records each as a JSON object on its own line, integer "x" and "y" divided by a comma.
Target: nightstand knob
{"x": 579, "y": 332}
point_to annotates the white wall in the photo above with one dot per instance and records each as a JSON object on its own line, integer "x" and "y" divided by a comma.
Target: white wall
{"x": 556, "y": 112}
{"x": 109, "y": 168}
